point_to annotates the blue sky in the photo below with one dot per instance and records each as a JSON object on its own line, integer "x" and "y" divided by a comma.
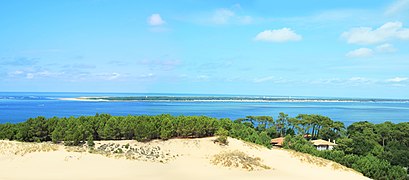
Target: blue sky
{"x": 292, "y": 48}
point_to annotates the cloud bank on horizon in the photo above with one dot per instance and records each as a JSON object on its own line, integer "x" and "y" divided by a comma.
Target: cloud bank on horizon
{"x": 349, "y": 48}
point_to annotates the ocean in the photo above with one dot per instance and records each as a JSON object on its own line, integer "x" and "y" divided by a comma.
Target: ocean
{"x": 18, "y": 107}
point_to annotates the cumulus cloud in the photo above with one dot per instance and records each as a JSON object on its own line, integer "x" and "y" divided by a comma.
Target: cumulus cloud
{"x": 278, "y": 35}
{"x": 368, "y": 35}
{"x": 385, "y": 48}
{"x": 397, "y": 79}
{"x": 360, "y": 53}
{"x": 155, "y": 20}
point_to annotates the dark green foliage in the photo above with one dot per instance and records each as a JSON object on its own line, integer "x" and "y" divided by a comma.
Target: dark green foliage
{"x": 112, "y": 129}
{"x": 386, "y": 141}
{"x": 265, "y": 139}
{"x": 378, "y": 151}
{"x": 90, "y": 141}
{"x": 226, "y": 123}
{"x": 299, "y": 143}
{"x": 78, "y": 130}
{"x": 363, "y": 136}
{"x": 167, "y": 130}
{"x": 222, "y": 136}
{"x": 33, "y": 130}
{"x": 378, "y": 169}
{"x": 282, "y": 124}
{"x": 369, "y": 165}
{"x": 7, "y": 131}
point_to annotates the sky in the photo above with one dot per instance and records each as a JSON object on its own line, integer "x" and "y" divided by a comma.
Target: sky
{"x": 337, "y": 48}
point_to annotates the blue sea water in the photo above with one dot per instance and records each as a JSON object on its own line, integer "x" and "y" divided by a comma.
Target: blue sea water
{"x": 18, "y": 107}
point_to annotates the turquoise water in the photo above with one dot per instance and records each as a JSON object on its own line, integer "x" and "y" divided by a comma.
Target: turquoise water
{"x": 18, "y": 107}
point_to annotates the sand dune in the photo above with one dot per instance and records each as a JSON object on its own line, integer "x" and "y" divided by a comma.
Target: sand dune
{"x": 172, "y": 159}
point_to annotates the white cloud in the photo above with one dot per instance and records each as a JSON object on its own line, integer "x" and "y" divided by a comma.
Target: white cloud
{"x": 236, "y": 6}
{"x": 155, "y": 20}
{"x": 353, "y": 81}
{"x": 263, "y": 79}
{"x": 29, "y": 75}
{"x": 397, "y": 6}
{"x": 16, "y": 73}
{"x": 32, "y": 74}
{"x": 278, "y": 35}
{"x": 397, "y": 79}
{"x": 108, "y": 76}
{"x": 358, "y": 79}
{"x": 360, "y": 53}
{"x": 147, "y": 76}
{"x": 203, "y": 78}
{"x": 367, "y": 35}
{"x": 165, "y": 65}
{"x": 114, "y": 76}
{"x": 229, "y": 16}
{"x": 245, "y": 19}
{"x": 385, "y": 48}
{"x": 222, "y": 16}
{"x": 271, "y": 79}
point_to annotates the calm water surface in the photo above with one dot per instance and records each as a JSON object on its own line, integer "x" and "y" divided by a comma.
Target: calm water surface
{"x": 18, "y": 107}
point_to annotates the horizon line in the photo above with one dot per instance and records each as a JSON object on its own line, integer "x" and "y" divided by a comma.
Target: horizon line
{"x": 209, "y": 94}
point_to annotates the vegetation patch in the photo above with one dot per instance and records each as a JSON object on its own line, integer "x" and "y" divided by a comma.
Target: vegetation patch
{"x": 134, "y": 152}
{"x": 17, "y": 148}
{"x": 378, "y": 151}
{"x": 238, "y": 159}
{"x": 222, "y": 136}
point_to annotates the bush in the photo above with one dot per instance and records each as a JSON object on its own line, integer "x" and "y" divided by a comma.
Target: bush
{"x": 222, "y": 136}
{"x": 90, "y": 142}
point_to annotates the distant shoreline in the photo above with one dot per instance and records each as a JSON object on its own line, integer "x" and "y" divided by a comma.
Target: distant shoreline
{"x": 222, "y": 99}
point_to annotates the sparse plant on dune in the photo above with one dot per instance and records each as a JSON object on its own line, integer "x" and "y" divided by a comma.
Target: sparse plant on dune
{"x": 238, "y": 159}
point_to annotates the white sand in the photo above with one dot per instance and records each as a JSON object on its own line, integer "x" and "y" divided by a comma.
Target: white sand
{"x": 192, "y": 161}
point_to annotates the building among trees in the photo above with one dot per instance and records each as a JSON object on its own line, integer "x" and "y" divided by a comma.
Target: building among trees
{"x": 277, "y": 141}
{"x": 323, "y": 145}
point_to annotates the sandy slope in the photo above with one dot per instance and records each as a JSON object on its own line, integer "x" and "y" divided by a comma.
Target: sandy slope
{"x": 182, "y": 159}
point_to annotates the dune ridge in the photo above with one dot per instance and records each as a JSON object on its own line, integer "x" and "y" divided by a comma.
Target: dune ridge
{"x": 171, "y": 159}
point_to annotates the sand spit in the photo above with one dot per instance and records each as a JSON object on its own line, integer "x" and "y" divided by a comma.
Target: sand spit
{"x": 223, "y": 99}
{"x": 172, "y": 159}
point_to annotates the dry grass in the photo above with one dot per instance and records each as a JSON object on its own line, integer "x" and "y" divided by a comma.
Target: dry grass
{"x": 20, "y": 148}
{"x": 321, "y": 162}
{"x": 310, "y": 159}
{"x": 253, "y": 145}
{"x": 79, "y": 149}
{"x": 133, "y": 152}
{"x": 238, "y": 159}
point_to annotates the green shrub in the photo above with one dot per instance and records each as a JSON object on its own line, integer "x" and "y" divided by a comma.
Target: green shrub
{"x": 222, "y": 136}
{"x": 90, "y": 142}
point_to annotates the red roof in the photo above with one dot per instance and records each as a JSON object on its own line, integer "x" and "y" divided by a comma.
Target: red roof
{"x": 277, "y": 141}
